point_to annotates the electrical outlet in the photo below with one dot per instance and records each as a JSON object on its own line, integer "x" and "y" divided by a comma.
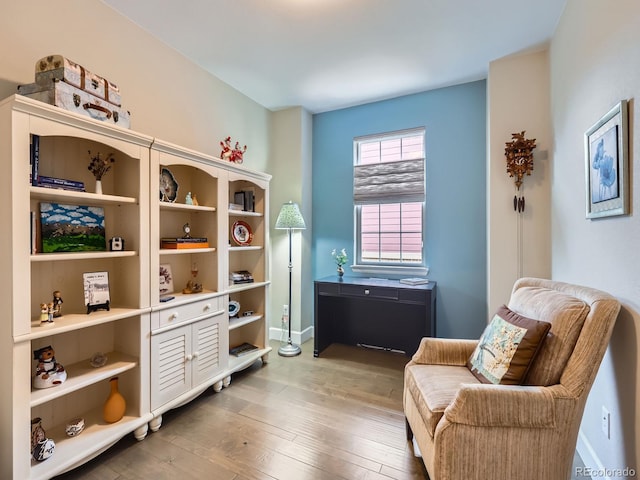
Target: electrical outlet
{"x": 606, "y": 422}
{"x": 285, "y": 310}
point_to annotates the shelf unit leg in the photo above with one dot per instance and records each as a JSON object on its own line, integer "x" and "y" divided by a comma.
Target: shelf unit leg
{"x": 226, "y": 381}
{"x": 155, "y": 423}
{"x": 217, "y": 387}
{"x": 141, "y": 432}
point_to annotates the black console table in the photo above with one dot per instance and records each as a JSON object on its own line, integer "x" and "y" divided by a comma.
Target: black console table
{"x": 378, "y": 313}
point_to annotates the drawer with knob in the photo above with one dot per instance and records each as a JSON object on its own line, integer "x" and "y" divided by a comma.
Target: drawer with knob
{"x": 185, "y": 312}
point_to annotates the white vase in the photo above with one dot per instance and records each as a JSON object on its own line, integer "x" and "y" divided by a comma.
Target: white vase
{"x": 99, "y": 187}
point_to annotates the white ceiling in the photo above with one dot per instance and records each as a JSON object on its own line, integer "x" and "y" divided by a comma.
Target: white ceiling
{"x": 329, "y": 54}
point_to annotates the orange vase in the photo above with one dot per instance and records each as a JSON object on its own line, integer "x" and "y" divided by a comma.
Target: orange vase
{"x": 115, "y": 405}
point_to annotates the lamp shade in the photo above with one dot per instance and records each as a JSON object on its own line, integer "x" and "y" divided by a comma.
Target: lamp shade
{"x": 290, "y": 217}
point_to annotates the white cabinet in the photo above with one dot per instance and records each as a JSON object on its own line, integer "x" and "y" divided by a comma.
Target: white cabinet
{"x": 30, "y": 277}
{"x": 250, "y": 254}
{"x": 179, "y": 373}
{"x": 186, "y": 359}
{"x": 165, "y": 351}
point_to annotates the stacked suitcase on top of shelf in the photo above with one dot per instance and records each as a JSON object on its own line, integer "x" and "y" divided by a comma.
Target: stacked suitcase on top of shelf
{"x": 68, "y": 85}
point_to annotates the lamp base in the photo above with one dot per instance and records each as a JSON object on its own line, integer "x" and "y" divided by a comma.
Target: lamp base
{"x": 289, "y": 350}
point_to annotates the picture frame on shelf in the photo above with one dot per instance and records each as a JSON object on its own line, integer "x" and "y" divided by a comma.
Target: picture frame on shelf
{"x": 607, "y": 164}
{"x": 72, "y": 228}
{"x": 166, "y": 279}
{"x": 96, "y": 291}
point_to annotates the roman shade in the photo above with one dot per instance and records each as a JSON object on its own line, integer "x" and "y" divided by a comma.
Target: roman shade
{"x": 389, "y": 182}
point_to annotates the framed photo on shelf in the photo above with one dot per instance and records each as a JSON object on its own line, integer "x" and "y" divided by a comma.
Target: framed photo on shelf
{"x": 607, "y": 164}
{"x": 72, "y": 228}
{"x": 166, "y": 279}
{"x": 96, "y": 290}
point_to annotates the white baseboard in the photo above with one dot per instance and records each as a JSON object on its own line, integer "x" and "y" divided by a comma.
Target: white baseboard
{"x": 276, "y": 333}
{"x": 590, "y": 459}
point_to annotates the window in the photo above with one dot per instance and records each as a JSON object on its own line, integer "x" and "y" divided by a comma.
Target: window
{"x": 389, "y": 199}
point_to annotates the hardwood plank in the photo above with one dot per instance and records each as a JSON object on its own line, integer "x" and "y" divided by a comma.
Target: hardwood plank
{"x": 334, "y": 417}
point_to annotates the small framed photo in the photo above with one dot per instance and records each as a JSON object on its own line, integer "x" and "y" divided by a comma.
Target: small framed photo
{"x": 96, "y": 291}
{"x": 166, "y": 279}
{"x": 607, "y": 164}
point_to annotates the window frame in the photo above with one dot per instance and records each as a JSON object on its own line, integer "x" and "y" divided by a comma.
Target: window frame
{"x": 387, "y": 268}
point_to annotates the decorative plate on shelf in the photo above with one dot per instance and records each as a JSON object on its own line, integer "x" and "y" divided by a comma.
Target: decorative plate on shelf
{"x": 242, "y": 233}
{"x": 168, "y": 186}
{"x": 234, "y": 308}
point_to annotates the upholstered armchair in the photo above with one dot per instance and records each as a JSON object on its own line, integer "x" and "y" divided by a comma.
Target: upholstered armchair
{"x": 466, "y": 429}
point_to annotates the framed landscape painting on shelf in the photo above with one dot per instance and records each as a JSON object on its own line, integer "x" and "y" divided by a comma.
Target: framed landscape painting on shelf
{"x": 72, "y": 228}
{"x": 607, "y": 164}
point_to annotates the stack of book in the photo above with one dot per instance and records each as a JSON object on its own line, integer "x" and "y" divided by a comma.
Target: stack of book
{"x": 182, "y": 243}
{"x": 242, "y": 349}
{"x": 38, "y": 180}
{"x": 62, "y": 183}
{"x": 241, "y": 276}
{"x": 414, "y": 281}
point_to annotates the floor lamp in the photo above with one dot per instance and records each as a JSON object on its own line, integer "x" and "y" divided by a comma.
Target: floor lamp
{"x": 290, "y": 219}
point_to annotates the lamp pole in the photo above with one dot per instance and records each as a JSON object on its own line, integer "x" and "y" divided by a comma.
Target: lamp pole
{"x": 289, "y": 350}
{"x": 290, "y": 219}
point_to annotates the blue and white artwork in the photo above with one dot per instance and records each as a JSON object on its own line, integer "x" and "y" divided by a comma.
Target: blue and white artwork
{"x": 604, "y": 166}
{"x": 72, "y": 228}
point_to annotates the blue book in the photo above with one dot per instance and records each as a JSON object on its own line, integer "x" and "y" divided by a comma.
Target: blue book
{"x": 62, "y": 182}
{"x": 35, "y": 158}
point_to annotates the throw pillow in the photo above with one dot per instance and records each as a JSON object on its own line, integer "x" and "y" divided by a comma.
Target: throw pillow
{"x": 507, "y": 348}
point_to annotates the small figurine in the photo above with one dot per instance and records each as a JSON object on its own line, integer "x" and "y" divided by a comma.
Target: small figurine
{"x": 50, "y": 312}
{"x": 57, "y": 303}
{"x": 48, "y": 372}
{"x": 188, "y": 200}
{"x": 194, "y": 200}
{"x": 192, "y": 286}
{"x": 234, "y": 154}
{"x": 44, "y": 314}
{"x": 41, "y": 446}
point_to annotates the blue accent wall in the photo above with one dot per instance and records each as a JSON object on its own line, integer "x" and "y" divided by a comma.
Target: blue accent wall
{"x": 456, "y": 216}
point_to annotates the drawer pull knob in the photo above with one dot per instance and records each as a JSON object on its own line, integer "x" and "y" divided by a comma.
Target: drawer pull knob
{"x": 173, "y": 316}
{"x": 207, "y": 307}
{"x": 189, "y": 357}
{"x": 366, "y": 292}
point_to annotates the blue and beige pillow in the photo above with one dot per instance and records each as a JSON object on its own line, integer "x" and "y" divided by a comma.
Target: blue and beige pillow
{"x": 507, "y": 348}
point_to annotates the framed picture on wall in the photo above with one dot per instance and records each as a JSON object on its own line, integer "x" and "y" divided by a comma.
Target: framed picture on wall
{"x": 607, "y": 164}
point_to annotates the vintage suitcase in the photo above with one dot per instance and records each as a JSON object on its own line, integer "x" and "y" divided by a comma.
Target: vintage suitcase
{"x": 64, "y": 95}
{"x": 57, "y": 67}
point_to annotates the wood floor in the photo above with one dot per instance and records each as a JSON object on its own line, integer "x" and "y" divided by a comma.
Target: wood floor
{"x": 334, "y": 417}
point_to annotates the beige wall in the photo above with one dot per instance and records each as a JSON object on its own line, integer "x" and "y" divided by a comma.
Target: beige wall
{"x": 518, "y": 244}
{"x": 594, "y": 64}
{"x": 291, "y": 169}
{"x": 168, "y": 96}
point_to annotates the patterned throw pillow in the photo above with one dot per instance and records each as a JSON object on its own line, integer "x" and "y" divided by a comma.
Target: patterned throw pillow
{"x": 507, "y": 348}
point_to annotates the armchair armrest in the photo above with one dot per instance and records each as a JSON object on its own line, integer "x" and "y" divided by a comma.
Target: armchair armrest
{"x": 443, "y": 351}
{"x": 513, "y": 406}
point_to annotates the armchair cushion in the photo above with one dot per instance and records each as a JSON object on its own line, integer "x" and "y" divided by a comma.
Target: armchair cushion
{"x": 565, "y": 312}
{"x": 433, "y": 388}
{"x": 507, "y": 348}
